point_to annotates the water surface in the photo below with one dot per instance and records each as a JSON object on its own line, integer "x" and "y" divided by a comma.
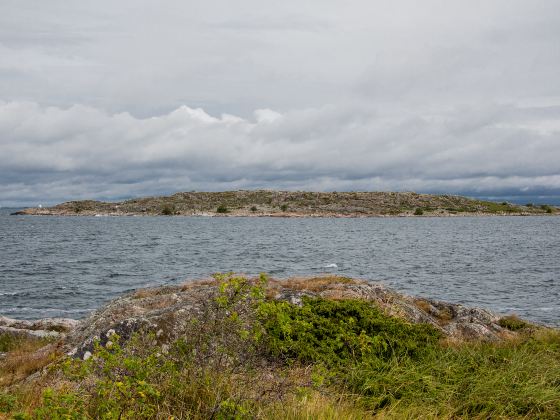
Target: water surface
{"x": 69, "y": 266}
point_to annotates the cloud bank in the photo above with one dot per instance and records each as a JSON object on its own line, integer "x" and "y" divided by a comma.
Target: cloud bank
{"x": 52, "y": 153}
{"x": 105, "y": 99}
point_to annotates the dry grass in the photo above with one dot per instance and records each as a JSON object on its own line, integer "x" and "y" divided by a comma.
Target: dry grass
{"x": 196, "y": 283}
{"x": 158, "y": 291}
{"x": 144, "y": 293}
{"x": 313, "y": 284}
{"x": 423, "y": 305}
{"x": 443, "y": 315}
{"x": 317, "y": 405}
{"x": 27, "y": 356}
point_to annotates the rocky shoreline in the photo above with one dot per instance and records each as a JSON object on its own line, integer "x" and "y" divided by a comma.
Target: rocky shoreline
{"x": 266, "y": 203}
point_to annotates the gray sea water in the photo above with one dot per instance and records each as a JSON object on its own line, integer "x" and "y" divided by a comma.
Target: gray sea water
{"x": 69, "y": 266}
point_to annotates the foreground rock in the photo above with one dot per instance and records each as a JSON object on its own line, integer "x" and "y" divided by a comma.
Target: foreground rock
{"x": 166, "y": 310}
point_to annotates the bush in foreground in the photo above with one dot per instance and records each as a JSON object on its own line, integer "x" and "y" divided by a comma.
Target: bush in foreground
{"x": 248, "y": 356}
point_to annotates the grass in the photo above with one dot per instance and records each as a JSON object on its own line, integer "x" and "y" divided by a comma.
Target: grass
{"x": 24, "y": 356}
{"x": 313, "y": 284}
{"x": 474, "y": 380}
{"x": 492, "y": 207}
{"x": 248, "y": 356}
{"x": 513, "y": 323}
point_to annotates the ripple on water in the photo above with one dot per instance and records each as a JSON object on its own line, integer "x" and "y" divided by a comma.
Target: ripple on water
{"x": 506, "y": 263}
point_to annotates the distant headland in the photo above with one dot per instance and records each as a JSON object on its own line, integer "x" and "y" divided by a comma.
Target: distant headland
{"x": 294, "y": 204}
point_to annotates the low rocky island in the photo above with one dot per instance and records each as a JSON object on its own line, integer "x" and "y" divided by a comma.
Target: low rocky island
{"x": 294, "y": 204}
{"x": 239, "y": 347}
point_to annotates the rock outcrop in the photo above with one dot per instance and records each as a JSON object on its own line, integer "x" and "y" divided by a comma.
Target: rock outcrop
{"x": 42, "y": 328}
{"x": 165, "y": 310}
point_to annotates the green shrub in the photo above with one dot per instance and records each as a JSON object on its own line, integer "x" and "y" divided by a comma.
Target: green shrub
{"x": 168, "y": 210}
{"x": 254, "y": 209}
{"x": 7, "y": 402}
{"x": 513, "y": 323}
{"x": 284, "y": 207}
{"x": 546, "y": 208}
{"x": 418, "y": 212}
{"x": 336, "y": 333}
{"x": 222, "y": 209}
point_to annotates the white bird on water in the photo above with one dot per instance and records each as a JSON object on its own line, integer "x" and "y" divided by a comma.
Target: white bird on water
{"x": 333, "y": 265}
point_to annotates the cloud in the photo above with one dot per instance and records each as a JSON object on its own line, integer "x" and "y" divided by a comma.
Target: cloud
{"x": 148, "y": 58}
{"x": 51, "y": 153}
{"x": 428, "y": 96}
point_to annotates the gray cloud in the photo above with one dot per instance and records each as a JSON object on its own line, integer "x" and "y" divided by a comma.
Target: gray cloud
{"x": 81, "y": 151}
{"x": 101, "y": 99}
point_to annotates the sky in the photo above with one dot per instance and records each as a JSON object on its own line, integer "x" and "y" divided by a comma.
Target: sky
{"x": 111, "y": 100}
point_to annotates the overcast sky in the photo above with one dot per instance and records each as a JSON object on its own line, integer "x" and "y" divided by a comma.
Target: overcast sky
{"x": 115, "y": 99}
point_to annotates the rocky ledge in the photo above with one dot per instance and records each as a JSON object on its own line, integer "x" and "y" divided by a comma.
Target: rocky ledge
{"x": 166, "y": 310}
{"x": 42, "y": 328}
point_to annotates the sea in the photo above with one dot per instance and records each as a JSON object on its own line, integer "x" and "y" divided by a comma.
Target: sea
{"x": 70, "y": 266}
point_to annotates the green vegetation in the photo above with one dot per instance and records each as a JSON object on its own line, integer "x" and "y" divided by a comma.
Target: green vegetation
{"x": 284, "y": 207}
{"x": 418, "y": 211}
{"x": 168, "y": 210}
{"x": 504, "y": 207}
{"x": 333, "y": 332}
{"x": 10, "y": 342}
{"x": 222, "y": 209}
{"x": 254, "y": 209}
{"x": 248, "y": 356}
{"x": 513, "y": 323}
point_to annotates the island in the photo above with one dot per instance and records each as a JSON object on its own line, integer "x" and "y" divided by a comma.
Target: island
{"x": 294, "y": 204}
